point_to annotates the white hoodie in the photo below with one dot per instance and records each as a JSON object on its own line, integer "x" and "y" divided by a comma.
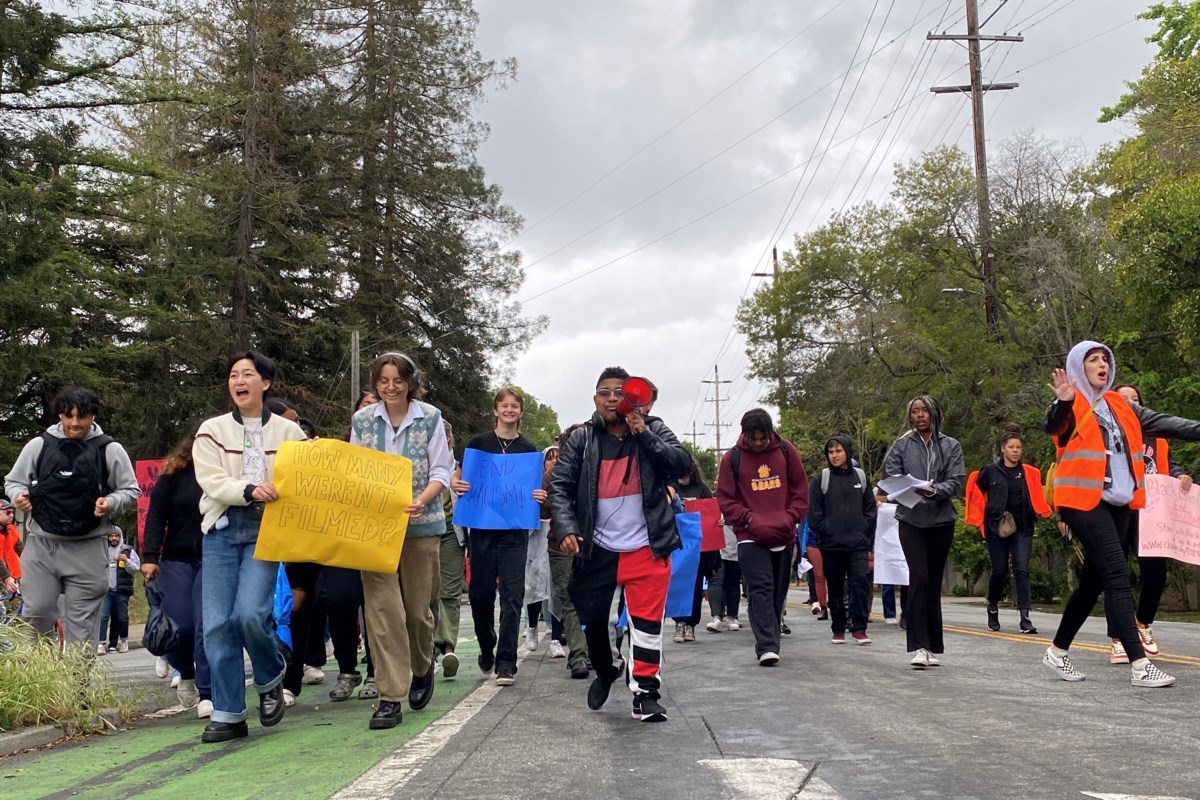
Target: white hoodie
{"x": 1119, "y": 484}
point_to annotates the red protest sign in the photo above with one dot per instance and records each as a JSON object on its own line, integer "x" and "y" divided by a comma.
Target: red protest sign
{"x": 147, "y": 475}
{"x": 712, "y": 534}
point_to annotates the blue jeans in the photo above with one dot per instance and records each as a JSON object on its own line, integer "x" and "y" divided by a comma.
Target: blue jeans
{"x": 239, "y": 592}
{"x": 116, "y": 608}
{"x": 889, "y": 601}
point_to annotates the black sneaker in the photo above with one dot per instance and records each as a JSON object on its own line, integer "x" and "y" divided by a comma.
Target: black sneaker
{"x": 823, "y": 616}
{"x": 579, "y": 670}
{"x": 994, "y": 619}
{"x": 598, "y": 693}
{"x": 487, "y": 662}
{"x": 1027, "y": 627}
{"x": 646, "y": 708}
{"x": 785, "y": 630}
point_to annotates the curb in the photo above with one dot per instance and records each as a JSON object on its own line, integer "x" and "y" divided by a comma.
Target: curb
{"x": 29, "y": 738}
{"x": 112, "y": 721}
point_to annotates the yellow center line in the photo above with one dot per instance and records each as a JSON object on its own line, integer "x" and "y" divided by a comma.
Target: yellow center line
{"x": 1025, "y": 638}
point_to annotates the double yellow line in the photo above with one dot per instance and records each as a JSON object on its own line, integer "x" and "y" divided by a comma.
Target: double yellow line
{"x": 1190, "y": 661}
{"x": 1025, "y": 638}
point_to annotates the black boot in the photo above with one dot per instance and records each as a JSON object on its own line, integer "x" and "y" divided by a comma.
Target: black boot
{"x": 271, "y": 707}
{"x": 387, "y": 715}
{"x": 421, "y": 690}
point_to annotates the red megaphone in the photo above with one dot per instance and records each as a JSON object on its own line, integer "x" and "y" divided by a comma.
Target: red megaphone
{"x": 636, "y": 393}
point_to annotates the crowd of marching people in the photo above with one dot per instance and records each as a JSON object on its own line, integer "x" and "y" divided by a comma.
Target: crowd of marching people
{"x": 597, "y": 572}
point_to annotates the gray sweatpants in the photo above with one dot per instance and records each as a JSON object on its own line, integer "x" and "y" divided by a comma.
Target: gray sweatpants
{"x": 77, "y": 570}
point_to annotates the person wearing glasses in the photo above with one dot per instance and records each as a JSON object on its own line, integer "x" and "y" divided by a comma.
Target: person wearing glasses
{"x": 608, "y": 500}
{"x": 398, "y": 605}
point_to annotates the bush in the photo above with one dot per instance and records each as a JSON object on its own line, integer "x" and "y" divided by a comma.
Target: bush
{"x": 38, "y": 684}
{"x": 959, "y": 591}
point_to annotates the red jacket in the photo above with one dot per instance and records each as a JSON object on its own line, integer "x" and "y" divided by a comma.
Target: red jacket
{"x": 768, "y": 497}
{"x": 10, "y": 539}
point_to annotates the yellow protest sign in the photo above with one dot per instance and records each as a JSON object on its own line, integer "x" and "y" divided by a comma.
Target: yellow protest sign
{"x": 339, "y": 504}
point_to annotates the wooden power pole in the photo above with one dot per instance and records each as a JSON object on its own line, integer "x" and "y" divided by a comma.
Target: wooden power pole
{"x": 716, "y": 401}
{"x": 778, "y": 332}
{"x": 976, "y": 88}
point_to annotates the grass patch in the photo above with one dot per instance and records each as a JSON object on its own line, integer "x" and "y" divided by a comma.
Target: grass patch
{"x": 39, "y": 685}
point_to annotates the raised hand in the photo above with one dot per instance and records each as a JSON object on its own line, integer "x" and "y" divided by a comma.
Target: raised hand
{"x": 1062, "y": 386}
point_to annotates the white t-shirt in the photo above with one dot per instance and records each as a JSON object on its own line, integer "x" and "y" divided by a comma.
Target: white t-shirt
{"x": 254, "y": 457}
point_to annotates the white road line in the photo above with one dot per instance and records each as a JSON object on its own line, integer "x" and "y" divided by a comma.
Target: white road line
{"x": 386, "y": 778}
{"x": 1102, "y": 796}
{"x": 768, "y": 779}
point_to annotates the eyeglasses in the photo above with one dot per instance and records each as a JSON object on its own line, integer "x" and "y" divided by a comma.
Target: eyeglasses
{"x": 605, "y": 394}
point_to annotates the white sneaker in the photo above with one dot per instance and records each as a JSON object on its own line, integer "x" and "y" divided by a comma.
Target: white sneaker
{"x": 175, "y": 679}
{"x": 531, "y": 639}
{"x": 734, "y": 625}
{"x": 204, "y": 709}
{"x": 1117, "y": 654}
{"x": 289, "y": 699}
{"x": 556, "y": 649}
{"x": 161, "y": 667}
{"x": 920, "y": 659}
{"x": 1062, "y": 665}
{"x": 101, "y": 649}
{"x": 931, "y": 660}
{"x": 768, "y": 659}
{"x": 890, "y": 621}
{"x": 122, "y": 645}
{"x": 1151, "y": 677}
{"x": 1148, "y": 643}
{"x": 717, "y": 625}
{"x": 313, "y": 675}
{"x": 187, "y": 693}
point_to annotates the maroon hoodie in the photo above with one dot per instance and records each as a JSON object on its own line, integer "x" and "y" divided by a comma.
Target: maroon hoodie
{"x": 771, "y": 493}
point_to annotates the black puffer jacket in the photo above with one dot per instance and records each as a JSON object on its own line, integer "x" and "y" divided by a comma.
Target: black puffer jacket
{"x": 574, "y": 479}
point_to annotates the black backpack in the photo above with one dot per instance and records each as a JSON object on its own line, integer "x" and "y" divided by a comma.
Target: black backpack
{"x": 69, "y": 477}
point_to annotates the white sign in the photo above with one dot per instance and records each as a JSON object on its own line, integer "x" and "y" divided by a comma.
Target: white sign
{"x": 890, "y": 564}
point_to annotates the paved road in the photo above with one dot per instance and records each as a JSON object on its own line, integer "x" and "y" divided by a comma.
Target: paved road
{"x": 829, "y": 722}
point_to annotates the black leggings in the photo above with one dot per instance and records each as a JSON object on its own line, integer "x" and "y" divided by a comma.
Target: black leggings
{"x": 1102, "y": 532}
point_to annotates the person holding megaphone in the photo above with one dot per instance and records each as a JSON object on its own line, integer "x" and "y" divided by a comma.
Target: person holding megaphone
{"x": 608, "y": 500}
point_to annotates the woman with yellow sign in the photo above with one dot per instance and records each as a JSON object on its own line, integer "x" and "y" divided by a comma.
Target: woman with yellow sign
{"x": 398, "y": 605}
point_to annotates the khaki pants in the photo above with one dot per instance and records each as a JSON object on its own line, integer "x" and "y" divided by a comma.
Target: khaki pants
{"x": 399, "y": 617}
{"x": 448, "y": 605}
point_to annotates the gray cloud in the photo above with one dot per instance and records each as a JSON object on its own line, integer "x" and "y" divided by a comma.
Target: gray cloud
{"x": 598, "y": 81}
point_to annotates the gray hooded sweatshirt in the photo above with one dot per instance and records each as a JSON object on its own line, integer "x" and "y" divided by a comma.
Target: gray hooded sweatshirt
{"x": 122, "y": 482}
{"x": 939, "y": 461}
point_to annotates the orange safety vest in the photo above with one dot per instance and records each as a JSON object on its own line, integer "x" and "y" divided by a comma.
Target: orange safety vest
{"x": 977, "y": 500}
{"x": 8, "y": 549}
{"x": 1078, "y": 479}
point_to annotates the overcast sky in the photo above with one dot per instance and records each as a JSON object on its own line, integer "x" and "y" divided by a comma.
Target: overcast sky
{"x": 656, "y": 113}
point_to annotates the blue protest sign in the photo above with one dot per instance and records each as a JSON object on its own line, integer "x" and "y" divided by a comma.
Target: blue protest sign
{"x": 685, "y": 563}
{"x": 501, "y": 496}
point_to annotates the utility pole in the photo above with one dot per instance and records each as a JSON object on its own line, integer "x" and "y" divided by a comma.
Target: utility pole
{"x": 716, "y": 382}
{"x": 778, "y": 332}
{"x": 695, "y": 436}
{"x": 977, "y": 87}
{"x": 355, "y": 359}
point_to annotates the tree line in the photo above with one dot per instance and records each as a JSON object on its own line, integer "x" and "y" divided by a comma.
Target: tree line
{"x": 885, "y": 301}
{"x": 180, "y": 180}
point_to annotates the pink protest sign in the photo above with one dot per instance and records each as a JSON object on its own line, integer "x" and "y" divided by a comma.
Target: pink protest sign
{"x": 1169, "y": 525}
{"x": 147, "y": 475}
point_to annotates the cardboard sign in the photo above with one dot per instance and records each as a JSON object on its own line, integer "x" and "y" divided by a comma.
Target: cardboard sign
{"x": 711, "y": 530}
{"x": 1169, "y": 525}
{"x": 501, "y": 496}
{"x": 890, "y": 564}
{"x": 146, "y": 473}
{"x": 339, "y": 504}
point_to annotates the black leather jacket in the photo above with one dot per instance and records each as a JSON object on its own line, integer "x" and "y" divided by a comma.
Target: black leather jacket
{"x": 574, "y": 479}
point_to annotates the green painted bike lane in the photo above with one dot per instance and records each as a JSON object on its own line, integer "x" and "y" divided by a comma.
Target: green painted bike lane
{"x": 319, "y": 747}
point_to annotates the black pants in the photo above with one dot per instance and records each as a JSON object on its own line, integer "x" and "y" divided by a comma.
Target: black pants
{"x": 846, "y": 570}
{"x": 1017, "y": 547}
{"x": 1153, "y": 572}
{"x": 343, "y": 598}
{"x": 303, "y": 578}
{"x": 767, "y": 575}
{"x": 498, "y": 555}
{"x": 1102, "y": 533}
{"x": 925, "y": 550}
